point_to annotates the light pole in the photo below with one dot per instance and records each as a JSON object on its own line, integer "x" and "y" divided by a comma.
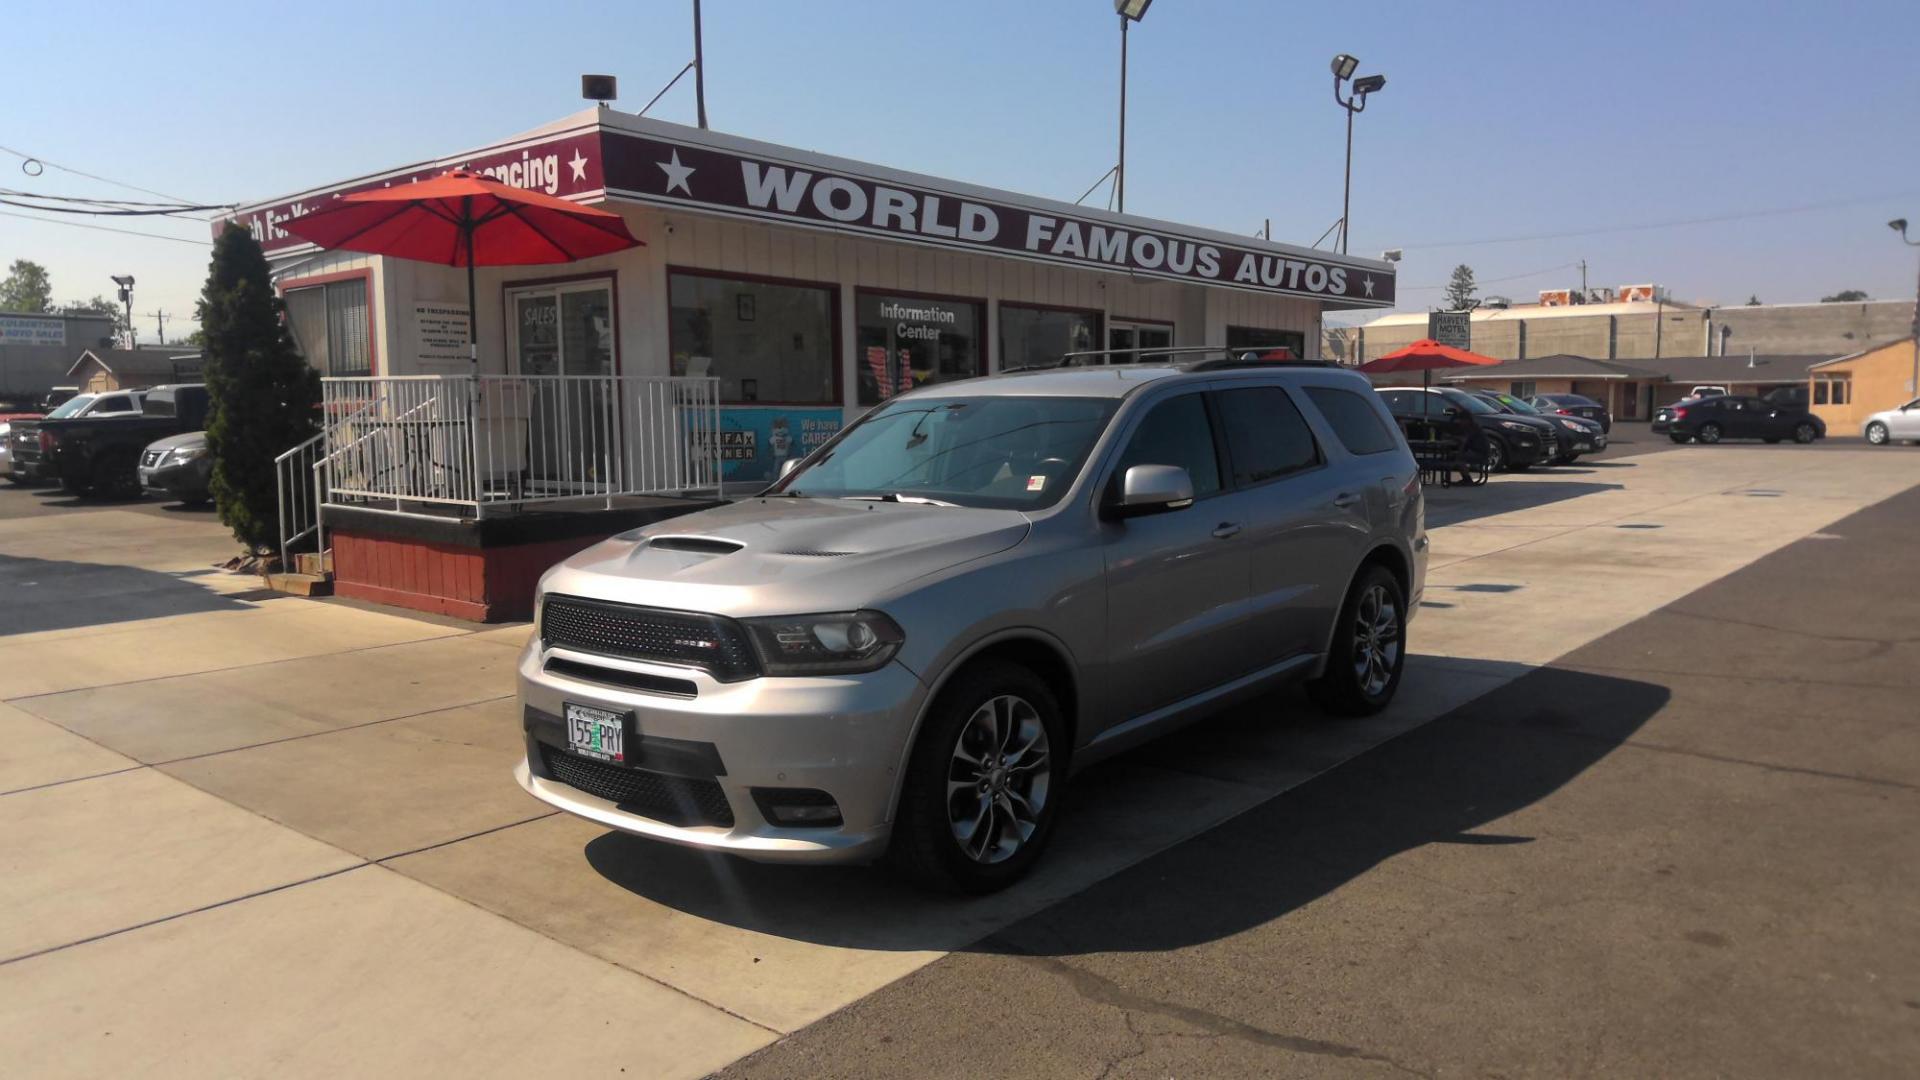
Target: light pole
{"x": 1355, "y": 102}
{"x": 1899, "y": 225}
{"x": 125, "y": 281}
{"x": 1130, "y": 11}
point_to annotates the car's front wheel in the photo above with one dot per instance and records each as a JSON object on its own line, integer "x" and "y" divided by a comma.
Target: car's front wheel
{"x": 1877, "y": 433}
{"x": 1496, "y": 456}
{"x": 983, "y": 784}
{"x": 1804, "y": 433}
{"x": 1369, "y": 647}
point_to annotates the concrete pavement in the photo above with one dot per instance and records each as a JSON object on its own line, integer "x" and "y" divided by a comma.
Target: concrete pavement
{"x": 366, "y": 755}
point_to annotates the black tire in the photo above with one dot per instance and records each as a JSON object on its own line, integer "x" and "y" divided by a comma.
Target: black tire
{"x": 925, "y": 848}
{"x": 1497, "y": 456}
{"x": 1804, "y": 433}
{"x": 116, "y": 476}
{"x": 1709, "y": 434}
{"x": 1345, "y": 688}
{"x": 1877, "y": 434}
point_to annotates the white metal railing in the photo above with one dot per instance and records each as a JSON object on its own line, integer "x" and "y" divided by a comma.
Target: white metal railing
{"x": 495, "y": 441}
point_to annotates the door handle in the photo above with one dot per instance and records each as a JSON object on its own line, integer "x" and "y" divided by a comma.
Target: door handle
{"x": 1226, "y": 529}
{"x": 1345, "y": 499}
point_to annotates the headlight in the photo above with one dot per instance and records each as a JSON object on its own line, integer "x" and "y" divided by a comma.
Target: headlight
{"x": 188, "y": 453}
{"x": 6, "y": 429}
{"x": 1512, "y": 426}
{"x": 843, "y": 643}
{"x": 1571, "y": 426}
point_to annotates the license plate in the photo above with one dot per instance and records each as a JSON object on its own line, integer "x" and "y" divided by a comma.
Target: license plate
{"x": 1583, "y": 446}
{"x": 597, "y": 733}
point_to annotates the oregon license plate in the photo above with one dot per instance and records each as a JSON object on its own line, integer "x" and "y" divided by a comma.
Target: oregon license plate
{"x": 597, "y": 733}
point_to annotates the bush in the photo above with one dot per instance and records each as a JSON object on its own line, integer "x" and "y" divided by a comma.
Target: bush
{"x": 264, "y": 397}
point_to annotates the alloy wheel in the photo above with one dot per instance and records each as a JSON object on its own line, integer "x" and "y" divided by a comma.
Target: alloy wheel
{"x": 1710, "y": 434}
{"x": 1496, "y": 455}
{"x": 1376, "y": 640}
{"x": 998, "y": 779}
{"x": 1803, "y": 434}
{"x": 1877, "y": 434}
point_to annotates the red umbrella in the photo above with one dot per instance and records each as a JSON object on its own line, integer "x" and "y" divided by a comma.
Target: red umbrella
{"x": 463, "y": 219}
{"x": 1423, "y": 355}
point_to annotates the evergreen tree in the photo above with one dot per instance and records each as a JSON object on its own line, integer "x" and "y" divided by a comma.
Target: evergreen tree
{"x": 1460, "y": 289}
{"x": 264, "y": 396}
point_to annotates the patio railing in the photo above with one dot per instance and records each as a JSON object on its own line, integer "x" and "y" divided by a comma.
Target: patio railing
{"x": 491, "y": 442}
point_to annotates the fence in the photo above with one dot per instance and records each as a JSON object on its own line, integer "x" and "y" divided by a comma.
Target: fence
{"x": 495, "y": 441}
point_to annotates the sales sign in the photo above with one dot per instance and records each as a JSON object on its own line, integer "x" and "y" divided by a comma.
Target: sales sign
{"x": 26, "y": 330}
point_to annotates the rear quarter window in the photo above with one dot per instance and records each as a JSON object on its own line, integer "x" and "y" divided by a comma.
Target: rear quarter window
{"x": 1353, "y": 419}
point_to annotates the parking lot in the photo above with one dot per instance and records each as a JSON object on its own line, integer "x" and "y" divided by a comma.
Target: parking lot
{"x": 1643, "y": 806}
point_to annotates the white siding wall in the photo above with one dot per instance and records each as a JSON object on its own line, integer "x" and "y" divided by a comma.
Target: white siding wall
{"x": 1201, "y": 315}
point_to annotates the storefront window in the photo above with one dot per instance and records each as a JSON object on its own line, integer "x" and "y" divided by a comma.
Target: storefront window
{"x": 1032, "y": 337}
{"x": 764, "y": 341}
{"x": 331, "y": 326}
{"x": 1253, "y": 337}
{"x": 909, "y": 341}
{"x": 1126, "y": 339}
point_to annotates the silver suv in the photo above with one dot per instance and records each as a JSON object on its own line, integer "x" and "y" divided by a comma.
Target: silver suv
{"x": 905, "y": 646}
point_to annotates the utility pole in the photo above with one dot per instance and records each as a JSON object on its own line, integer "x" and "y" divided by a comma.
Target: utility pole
{"x": 1120, "y": 172}
{"x": 160, "y": 319}
{"x": 1583, "y": 281}
{"x": 699, "y": 69}
{"x": 125, "y": 284}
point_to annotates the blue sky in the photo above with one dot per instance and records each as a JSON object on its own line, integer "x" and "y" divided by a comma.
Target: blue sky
{"x": 1498, "y": 121}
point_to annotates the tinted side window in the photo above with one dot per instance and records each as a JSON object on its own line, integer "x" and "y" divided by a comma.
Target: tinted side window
{"x": 1266, "y": 435}
{"x": 1176, "y": 432}
{"x": 158, "y": 403}
{"x": 1353, "y": 419}
{"x": 114, "y": 403}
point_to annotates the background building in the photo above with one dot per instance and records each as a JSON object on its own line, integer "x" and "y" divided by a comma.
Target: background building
{"x": 1656, "y": 328}
{"x": 1848, "y": 389}
{"x": 37, "y": 349}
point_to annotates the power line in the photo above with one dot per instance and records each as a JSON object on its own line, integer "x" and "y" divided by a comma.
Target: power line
{"x": 88, "y": 200}
{"x": 1710, "y": 219}
{"x": 104, "y": 228}
{"x": 128, "y": 212}
{"x": 29, "y": 159}
{"x": 1497, "y": 280}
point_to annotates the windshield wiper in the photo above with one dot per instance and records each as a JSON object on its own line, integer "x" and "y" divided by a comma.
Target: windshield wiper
{"x": 896, "y": 497}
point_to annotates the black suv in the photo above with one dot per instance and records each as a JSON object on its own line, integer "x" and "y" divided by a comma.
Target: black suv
{"x": 1514, "y": 443}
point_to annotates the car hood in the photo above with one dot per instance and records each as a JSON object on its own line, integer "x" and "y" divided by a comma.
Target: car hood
{"x": 775, "y": 556}
{"x": 190, "y": 438}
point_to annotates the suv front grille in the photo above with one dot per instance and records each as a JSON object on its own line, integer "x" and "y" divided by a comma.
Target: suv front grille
{"x": 152, "y": 458}
{"x": 676, "y": 800}
{"x": 714, "y": 644}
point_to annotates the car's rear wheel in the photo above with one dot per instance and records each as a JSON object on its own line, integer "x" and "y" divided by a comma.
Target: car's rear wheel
{"x": 1709, "y": 433}
{"x": 1804, "y": 433}
{"x": 1369, "y": 647}
{"x": 983, "y": 785}
{"x": 1877, "y": 433}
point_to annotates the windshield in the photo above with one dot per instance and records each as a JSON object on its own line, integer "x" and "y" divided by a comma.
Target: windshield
{"x": 1468, "y": 402}
{"x": 72, "y": 405}
{"x": 1016, "y": 453}
{"x": 1517, "y": 405}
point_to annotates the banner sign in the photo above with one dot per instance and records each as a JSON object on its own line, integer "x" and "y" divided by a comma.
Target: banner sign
{"x": 667, "y": 173}
{"x": 754, "y": 441}
{"x": 1453, "y": 328}
{"x": 560, "y": 165}
{"x": 27, "y": 330}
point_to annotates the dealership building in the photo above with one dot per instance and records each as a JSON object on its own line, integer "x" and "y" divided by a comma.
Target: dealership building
{"x": 782, "y": 289}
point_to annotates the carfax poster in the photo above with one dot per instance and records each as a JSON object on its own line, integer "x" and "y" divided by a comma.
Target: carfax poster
{"x": 754, "y": 441}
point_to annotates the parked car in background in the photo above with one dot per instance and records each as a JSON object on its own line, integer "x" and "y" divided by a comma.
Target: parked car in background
{"x": 1707, "y": 391}
{"x": 906, "y": 644}
{"x": 100, "y": 453}
{"x": 1514, "y": 443}
{"x": 57, "y": 397}
{"x": 7, "y": 420}
{"x": 26, "y": 464}
{"x": 1729, "y": 416}
{"x": 1574, "y": 405}
{"x": 180, "y": 466}
{"x": 1893, "y": 425}
{"x": 1576, "y": 435}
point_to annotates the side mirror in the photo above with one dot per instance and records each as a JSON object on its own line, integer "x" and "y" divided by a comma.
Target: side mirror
{"x": 787, "y": 467}
{"x": 1153, "y": 489}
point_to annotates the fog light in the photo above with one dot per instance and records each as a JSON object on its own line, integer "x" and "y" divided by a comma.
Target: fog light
{"x": 805, "y": 808}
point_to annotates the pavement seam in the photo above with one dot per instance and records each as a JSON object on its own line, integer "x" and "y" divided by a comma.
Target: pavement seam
{"x": 243, "y": 667}
{"x": 136, "y": 767}
{"x": 1766, "y": 766}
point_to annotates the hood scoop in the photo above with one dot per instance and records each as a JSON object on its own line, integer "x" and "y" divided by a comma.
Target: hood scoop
{"x": 697, "y": 545}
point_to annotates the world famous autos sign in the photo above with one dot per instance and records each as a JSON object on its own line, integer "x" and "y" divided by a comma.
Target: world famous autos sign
{"x": 562, "y": 164}
{"x": 663, "y": 171}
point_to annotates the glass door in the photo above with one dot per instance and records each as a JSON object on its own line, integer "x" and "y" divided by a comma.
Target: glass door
{"x": 563, "y": 345}
{"x": 1131, "y": 335}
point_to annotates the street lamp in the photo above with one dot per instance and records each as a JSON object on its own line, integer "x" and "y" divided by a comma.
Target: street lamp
{"x": 1355, "y": 102}
{"x": 1130, "y": 11}
{"x": 1899, "y": 225}
{"x": 125, "y": 281}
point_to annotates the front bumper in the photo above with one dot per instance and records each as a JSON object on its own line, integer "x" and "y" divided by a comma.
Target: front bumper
{"x": 844, "y": 735}
{"x": 184, "y": 480}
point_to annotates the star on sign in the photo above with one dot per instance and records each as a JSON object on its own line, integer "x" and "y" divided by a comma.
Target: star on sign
{"x": 578, "y": 165}
{"x": 1367, "y": 283}
{"x": 676, "y": 173}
